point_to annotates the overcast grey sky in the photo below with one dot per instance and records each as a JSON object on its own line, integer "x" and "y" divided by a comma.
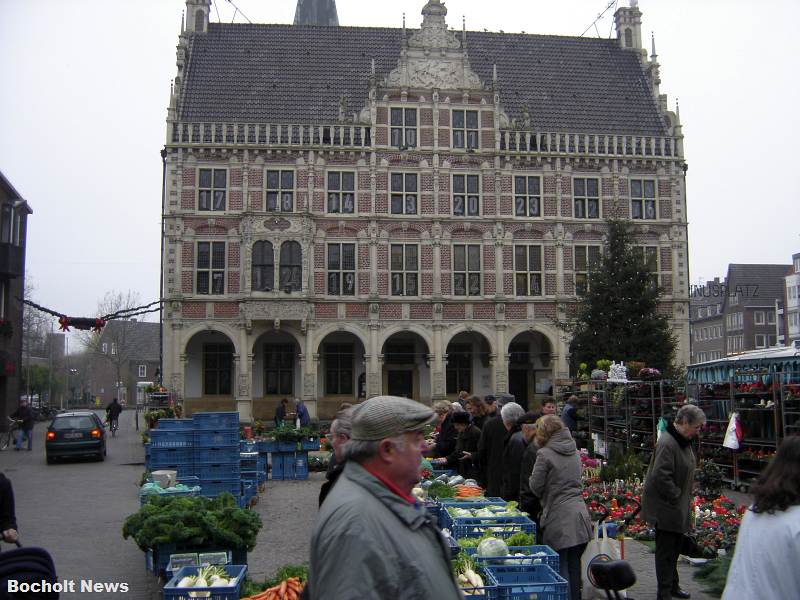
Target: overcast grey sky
{"x": 85, "y": 85}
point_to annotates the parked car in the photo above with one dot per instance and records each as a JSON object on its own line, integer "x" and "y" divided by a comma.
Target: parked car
{"x": 76, "y": 433}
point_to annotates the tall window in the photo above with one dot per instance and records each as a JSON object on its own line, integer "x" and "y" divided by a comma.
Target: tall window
{"x": 586, "y": 260}
{"x": 280, "y": 190}
{"x": 761, "y": 340}
{"x": 210, "y": 276}
{"x": 405, "y": 269}
{"x": 404, "y": 127}
{"x": 263, "y": 266}
{"x": 7, "y": 223}
{"x": 142, "y": 370}
{"x": 217, "y": 369}
{"x": 339, "y": 368}
{"x": 459, "y": 368}
{"x": 587, "y": 197}
{"x": 404, "y": 193}
{"x": 341, "y": 192}
{"x": 466, "y": 195}
{"x": 465, "y": 129}
{"x": 212, "y": 189}
{"x": 527, "y": 196}
{"x": 770, "y": 318}
{"x": 649, "y": 254}
{"x": 467, "y": 270}
{"x": 643, "y": 199}
{"x": 528, "y": 270}
{"x": 278, "y": 369}
{"x": 759, "y": 318}
{"x": 291, "y": 267}
{"x": 342, "y": 269}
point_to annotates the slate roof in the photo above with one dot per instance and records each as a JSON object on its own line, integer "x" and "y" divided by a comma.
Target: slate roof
{"x": 141, "y": 338}
{"x": 769, "y": 279}
{"x": 296, "y": 74}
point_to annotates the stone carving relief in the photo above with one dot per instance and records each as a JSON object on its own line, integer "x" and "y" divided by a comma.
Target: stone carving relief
{"x": 244, "y": 385}
{"x": 441, "y": 73}
{"x": 270, "y": 311}
{"x": 308, "y": 385}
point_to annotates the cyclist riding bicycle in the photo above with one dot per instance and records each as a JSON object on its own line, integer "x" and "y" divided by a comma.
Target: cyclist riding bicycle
{"x": 113, "y": 411}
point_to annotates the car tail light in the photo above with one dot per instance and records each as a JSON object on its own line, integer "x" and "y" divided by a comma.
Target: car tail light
{"x": 51, "y": 435}
{"x": 96, "y": 433}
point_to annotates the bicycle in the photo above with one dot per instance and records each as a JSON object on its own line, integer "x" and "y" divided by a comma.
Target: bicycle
{"x": 9, "y": 437}
{"x": 113, "y": 425}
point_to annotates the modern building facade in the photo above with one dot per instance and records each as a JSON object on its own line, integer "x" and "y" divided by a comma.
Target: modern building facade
{"x": 352, "y": 211}
{"x": 707, "y": 323}
{"x": 14, "y": 212}
{"x": 791, "y": 303}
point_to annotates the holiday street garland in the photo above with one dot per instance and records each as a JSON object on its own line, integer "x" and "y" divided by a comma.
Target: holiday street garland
{"x": 97, "y": 323}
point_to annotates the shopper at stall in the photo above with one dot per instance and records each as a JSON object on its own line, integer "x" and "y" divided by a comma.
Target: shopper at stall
{"x": 767, "y": 557}
{"x": 528, "y": 502}
{"x": 302, "y": 413}
{"x": 570, "y": 414}
{"x": 668, "y": 493}
{"x": 372, "y": 539}
{"x": 491, "y": 404}
{"x": 463, "y": 457}
{"x": 556, "y": 481}
{"x": 513, "y": 449}
{"x": 490, "y": 454}
{"x": 478, "y": 409}
{"x": 446, "y": 434}
{"x": 280, "y": 413}
{"x": 341, "y": 428}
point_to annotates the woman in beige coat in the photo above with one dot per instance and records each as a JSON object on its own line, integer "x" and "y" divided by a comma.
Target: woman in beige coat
{"x": 556, "y": 481}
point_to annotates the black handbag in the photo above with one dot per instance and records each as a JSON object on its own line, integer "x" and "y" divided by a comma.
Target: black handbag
{"x": 690, "y": 547}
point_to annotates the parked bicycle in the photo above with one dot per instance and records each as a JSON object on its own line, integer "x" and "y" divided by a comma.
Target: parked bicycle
{"x": 9, "y": 437}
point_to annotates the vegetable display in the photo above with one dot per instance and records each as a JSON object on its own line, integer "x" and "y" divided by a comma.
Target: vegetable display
{"x": 467, "y": 576}
{"x": 208, "y": 577}
{"x": 193, "y": 521}
{"x": 288, "y": 589}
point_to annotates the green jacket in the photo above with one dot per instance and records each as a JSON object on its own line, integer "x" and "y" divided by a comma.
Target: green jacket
{"x": 368, "y": 543}
{"x": 667, "y": 496}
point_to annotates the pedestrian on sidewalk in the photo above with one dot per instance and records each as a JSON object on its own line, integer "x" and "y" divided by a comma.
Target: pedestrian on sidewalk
{"x": 25, "y": 415}
{"x": 8, "y": 518}
{"x": 667, "y": 497}
{"x": 372, "y": 539}
{"x": 767, "y": 555}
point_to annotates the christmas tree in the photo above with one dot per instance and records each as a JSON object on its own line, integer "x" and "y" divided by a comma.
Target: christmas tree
{"x": 618, "y": 316}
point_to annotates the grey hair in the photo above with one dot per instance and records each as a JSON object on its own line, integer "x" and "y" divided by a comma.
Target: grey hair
{"x": 343, "y": 422}
{"x": 360, "y": 451}
{"x": 442, "y": 406}
{"x": 511, "y": 412}
{"x": 689, "y": 414}
{"x": 456, "y": 407}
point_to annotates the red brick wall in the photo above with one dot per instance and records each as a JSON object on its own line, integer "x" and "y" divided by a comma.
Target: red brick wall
{"x": 383, "y": 284}
{"x": 255, "y": 178}
{"x": 233, "y": 282}
{"x": 549, "y": 257}
{"x": 326, "y": 311}
{"x": 356, "y": 311}
{"x": 188, "y": 177}
{"x": 545, "y": 310}
{"x": 364, "y": 202}
{"x": 187, "y": 255}
{"x": 666, "y": 259}
{"x": 483, "y": 311}
{"x": 187, "y": 282}
{"x": 193, "y": 310}
{"x": 382, "y": 115}
{"x": 391, "y": 311}
{"x": 508, "y": 270}
{"x": 516, "y": 311}
{"x": 489, "y": 275}
{"x": 550, "y": 283}
{"x": 226, "y": 310}
{"x": 236, "y": 200}
{"x": 421, "y": 311}
{"x": 236, "y": 177}
{"x": 569, "y": 285}
{"x": 487, "y": 119}
{"x": 454, "y": 311}
{"x": 187, "y": 199}
{"x": 445, "y": 266}
{"x": 427, "y": 284}
{"x": 256, "y": 200}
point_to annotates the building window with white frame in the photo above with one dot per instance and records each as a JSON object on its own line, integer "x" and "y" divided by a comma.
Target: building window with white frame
{"x": 113, "y": 347}
{"x": 761, "y": 340}
{"x": 105, "y": 348}
{"x": 341, "y": 192}
{"x": 643, "y": 199}
{"x": 341, "y": 269}
{"x": 142, "y": 370}
{"x": 465, "y": 129}
{"x": 280, "y": 191}
{"x": 403, "y": 122}
{"x": 404, "y": 264}
{"x": 587, "y": 258}
{"x": 404, "y": 196}
{"x": 466, "y": 195}
{"x": 339, "y": 361}
{"x": 212, "y": 190}
{"x": 528, "y": 276}
{"x": 586, "y": 196}
{"x": 210, "y": 274}
{"x": 527, "y": 196}
{"x": 263, "y": 270}
{"x": 758, "y": 317}
{"x": 279, "y": 369}
{"x": 770, "y": 317}
{"x": 466, "y": 270}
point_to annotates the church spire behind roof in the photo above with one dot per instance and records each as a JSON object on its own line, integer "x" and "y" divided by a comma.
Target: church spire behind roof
{"x": 316, "y": 12}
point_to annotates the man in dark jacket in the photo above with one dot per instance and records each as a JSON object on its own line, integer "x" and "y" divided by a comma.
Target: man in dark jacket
{"x": 667, "y": 497}
{"x": 8, "y": 518}
{"x": 280, "y": 413}
{"x": 490, "y": 456}
{"x": 570, "y": 414}
{"x": 466, "y": 451}
{"x": 513, "y": 449}
{"x": 24, "y": 414}
{"x": 340, "y": 434}
{"x": 528, "y": 502}
{"x": 446, "y": 437}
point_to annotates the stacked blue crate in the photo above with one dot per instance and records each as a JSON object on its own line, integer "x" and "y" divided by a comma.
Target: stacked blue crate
{"x": 216, "y": 453}
{"x": 249, "y": 468}
{"x": 171, "y": 447}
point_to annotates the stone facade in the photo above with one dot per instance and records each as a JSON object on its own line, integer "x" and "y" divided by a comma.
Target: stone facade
{"x": 426, "y": 245}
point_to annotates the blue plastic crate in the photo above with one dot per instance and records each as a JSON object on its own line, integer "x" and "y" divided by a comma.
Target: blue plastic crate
{"x": 191, "y": 480}
{"x": 217, "y": 420}
{"x": 277, "y": 466}
{"x": 181, "y": 494}
{"x": 288, "y": 465}
{"x": 157, "y": 559}
{"x": 502, "y": 527}
{"x": 301, "y": 465}
{"x": 212, "y": 488}
{"x": 284, "y": 447}
{"x": 266, "y": 446}
{"x": 172, "y": 455}
{"x": 439, "y": 472}
{"x": 147, "y": 449}
{"x": 522, "y": 582}
{"x": 446, "y": 520}
{"x": 182, "y": 469}
{"x": 534, "y": 555}
{"x": 248, "y": 446}
{"x": 235, "y": 572}
{"x": 175, "y": 424}
{"x": 222, "y": 470}
{"x": 216, "y": 454}
{"x": 434, "y": 509}
{"x": 169, "y": 438}
{"x": 310, "y": 443}
{"x": 469, "y": 502}
{"x": 249, "y": 461}
{"x": 212, "y": 437}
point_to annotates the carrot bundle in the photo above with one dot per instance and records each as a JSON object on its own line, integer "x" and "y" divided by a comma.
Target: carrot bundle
{"x": 288, "y": 589}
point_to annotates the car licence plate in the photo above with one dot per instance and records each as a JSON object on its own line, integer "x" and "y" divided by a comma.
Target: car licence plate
{"x": 72, "y": 436}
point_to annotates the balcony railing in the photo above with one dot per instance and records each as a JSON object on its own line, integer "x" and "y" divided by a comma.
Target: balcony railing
{"x": 617, "y": 146}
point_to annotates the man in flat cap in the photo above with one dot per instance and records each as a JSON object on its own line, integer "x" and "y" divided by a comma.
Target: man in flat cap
{"x": 372, "y": 539}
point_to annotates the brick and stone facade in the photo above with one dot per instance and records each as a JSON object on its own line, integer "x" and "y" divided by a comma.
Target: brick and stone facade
{"x": 424, "y": 243}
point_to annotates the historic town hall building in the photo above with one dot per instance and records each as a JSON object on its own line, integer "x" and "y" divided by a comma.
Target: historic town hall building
{"x": 352, "y": 211}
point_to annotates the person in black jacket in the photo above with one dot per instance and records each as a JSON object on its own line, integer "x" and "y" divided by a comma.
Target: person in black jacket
{"x": 446, "y": 436}
{"x": 463, "y": 458}
{"x": 24, "y": 414}
{"x": 280, "y": 413}
{"x": 8, "y": 518}
{"x": 479, "y": 411}
{"x": 341, "y": 428}
{"x": 527, "y": 501}
{"x": 513, "y": 449}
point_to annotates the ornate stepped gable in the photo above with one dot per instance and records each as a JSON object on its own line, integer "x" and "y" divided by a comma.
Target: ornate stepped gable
{"x": 316, "y": 12}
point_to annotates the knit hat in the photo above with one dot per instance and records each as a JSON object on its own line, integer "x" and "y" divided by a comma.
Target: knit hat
{"x": 383, "y": 417}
